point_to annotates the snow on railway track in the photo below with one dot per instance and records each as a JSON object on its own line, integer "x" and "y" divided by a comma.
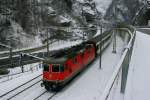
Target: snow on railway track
{"x": 45, "y": 96}
{"x": 17, "y": 72}
{"x": 12, "y": 76}
{"x": 21, "y": 88}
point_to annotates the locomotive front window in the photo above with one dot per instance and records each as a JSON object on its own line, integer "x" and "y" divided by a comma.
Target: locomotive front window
{"x": 55, "y": 68}
{"x": 46, "y": 67}
{"x": 61, "y": 68}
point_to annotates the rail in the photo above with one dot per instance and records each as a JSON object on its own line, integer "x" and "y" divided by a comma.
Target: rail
{"x": 21, "y": 86}
{"x": 120, "y": 65}
{"x": 25, "y": 50}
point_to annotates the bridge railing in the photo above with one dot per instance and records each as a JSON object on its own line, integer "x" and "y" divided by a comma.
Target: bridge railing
{"x": 121, "y": 70}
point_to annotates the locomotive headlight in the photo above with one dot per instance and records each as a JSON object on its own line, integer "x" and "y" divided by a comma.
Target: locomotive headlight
{"x": 50, "y": 75}
{"x": 54, "y": 86}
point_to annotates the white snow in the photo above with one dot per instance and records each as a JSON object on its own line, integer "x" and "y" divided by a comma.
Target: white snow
{"x": 9, "y": 85}
{"x": 138, "y": 81}
{"x": 88, "y": 10}
{"x": 64, "y": 19}
{"x": 13, "y": 72}
{"x": 102, "y": 5}
{"x": 138, "y": 84}
{"x": 99, "y": 32}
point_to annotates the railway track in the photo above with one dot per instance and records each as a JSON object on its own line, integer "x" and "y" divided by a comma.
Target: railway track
{"x": 40, "y": 95}
{"x": 52, "y": 96}
{"x": 45, "y": 95}
{"x": 26, "y": 50}
{"x": 18, "y": 90}
{"x": 16, "y": 61}
{"x": 12, "y": 76}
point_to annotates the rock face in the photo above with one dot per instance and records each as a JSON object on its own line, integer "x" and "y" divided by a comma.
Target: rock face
{"x": 124, "y": 10}
{"x": 33, "y": 18}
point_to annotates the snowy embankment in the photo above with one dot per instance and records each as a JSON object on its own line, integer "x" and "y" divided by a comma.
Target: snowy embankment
{"x": 137, "y": 87}
{"x": 138, "y": 83}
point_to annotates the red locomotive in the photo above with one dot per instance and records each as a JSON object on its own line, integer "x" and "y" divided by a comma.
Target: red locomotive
{"x": 63, "y": 65}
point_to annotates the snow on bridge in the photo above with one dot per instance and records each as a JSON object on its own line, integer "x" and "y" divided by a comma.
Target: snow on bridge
{"x": 138, "y": 83}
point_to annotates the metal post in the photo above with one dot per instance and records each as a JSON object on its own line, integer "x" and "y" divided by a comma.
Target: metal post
{"x": 20, "y": 63}
{"x": 100, "y": 57}
{"x": 125, "y": 69}
{"x": 10, "y": 53}
{"x": 114, "y": 41}
{"x": 83, "y": 38}
{"x": 10, "y": 57}
{"x": 47, "y": 43}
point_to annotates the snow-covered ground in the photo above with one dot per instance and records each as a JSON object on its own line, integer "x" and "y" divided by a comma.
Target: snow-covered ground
{"x": 138, "y": 84}
{"x": 9, "y": 85}
{"x": 89, "y": 85}
{"x": 16, "y": 72}
{"x": 138, "y": 81}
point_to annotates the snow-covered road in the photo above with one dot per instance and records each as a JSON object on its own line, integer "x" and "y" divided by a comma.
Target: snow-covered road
{"x": 138, "y": 83}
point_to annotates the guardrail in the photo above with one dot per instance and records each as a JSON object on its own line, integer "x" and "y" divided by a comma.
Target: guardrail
{"x": 123, "y": 66}
{"x": 142, "y": 26}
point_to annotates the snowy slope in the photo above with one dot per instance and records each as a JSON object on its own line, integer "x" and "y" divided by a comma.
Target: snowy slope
{"x": 102, "y": 5}
{"x": 138, "y": 84}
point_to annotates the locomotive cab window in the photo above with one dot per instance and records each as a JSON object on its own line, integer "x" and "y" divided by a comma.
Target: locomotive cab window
{"x": 55, "y": 68}
{"x": 46, "y": 67}
{"x": 61, "y": 68}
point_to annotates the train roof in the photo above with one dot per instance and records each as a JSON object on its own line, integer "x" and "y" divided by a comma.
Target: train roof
{"x": 99, "y": 37}
{"x": 60, "y": 56}
{"x": 55, "y": 60}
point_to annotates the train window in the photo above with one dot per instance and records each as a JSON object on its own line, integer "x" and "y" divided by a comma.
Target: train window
{"x": 55, "y": 68}
{"x": 61, "y": 68}
{"x": 46, "y": 67}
